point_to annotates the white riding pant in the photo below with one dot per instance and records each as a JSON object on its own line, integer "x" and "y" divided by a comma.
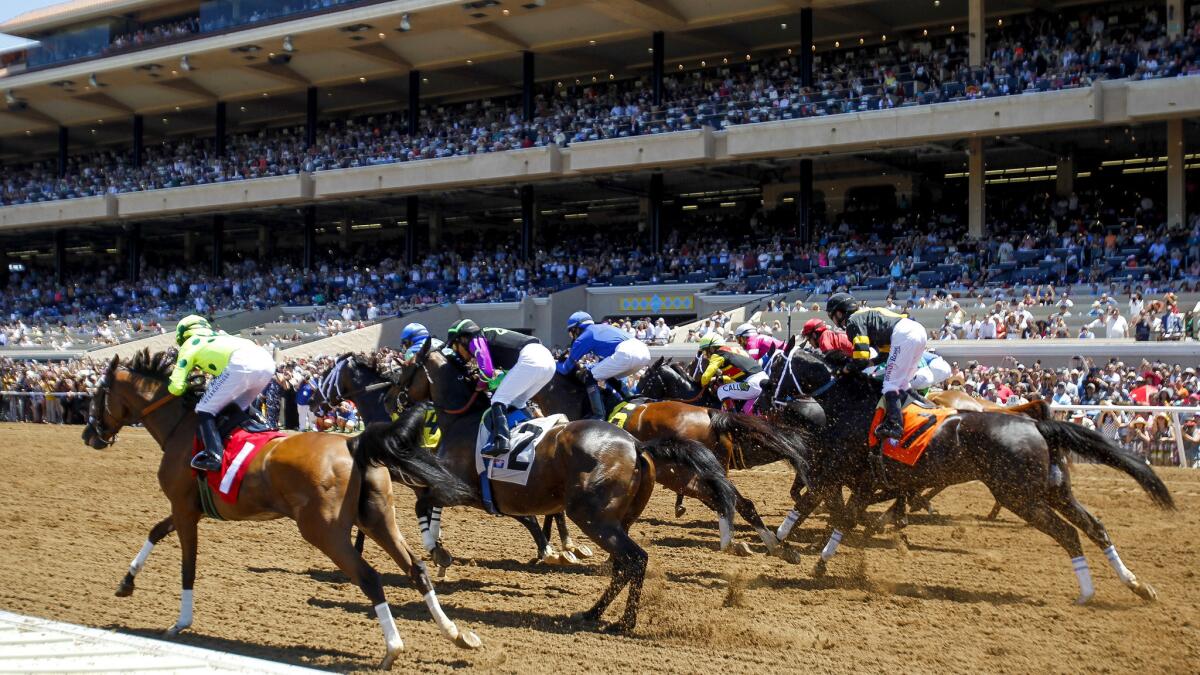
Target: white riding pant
{"x": 248, "y": 373}
{"x": 935, "y": 372}
{"x": 746, "y": 390}
{"x": 904, "y": 358}
{"x": 629, "y": 357}
{"x": 534, "y": 369}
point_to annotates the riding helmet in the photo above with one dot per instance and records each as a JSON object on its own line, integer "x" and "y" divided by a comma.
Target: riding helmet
{"x": 813, "y": 327}
{"x": 842, "y": 301}
{"x": 464, "y": 328}
{"x": 188, "y": 325}
{"x": 413, "y": 332}
{"x": 745, "y": 330}
{"x": 709, "y": 341}
{"x": 579, "y": 320}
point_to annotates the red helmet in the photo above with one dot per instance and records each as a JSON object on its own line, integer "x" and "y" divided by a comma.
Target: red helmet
{"x": 813, "y": 326}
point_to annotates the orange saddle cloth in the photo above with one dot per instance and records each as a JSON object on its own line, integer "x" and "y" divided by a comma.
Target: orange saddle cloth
{"x": 920, "y": 426}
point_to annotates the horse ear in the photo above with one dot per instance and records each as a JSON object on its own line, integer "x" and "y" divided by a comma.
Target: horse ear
{"x": 658, "y": 363}
{"x": 791, "y": 344}
{"x": 424, "y": 350}
{"x": 112, "y": 365}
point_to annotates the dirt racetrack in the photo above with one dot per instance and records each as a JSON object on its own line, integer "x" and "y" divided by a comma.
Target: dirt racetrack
{"x": 967, "y": 595}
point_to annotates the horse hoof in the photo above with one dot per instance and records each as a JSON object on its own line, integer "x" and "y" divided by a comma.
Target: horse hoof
{"x": 820, "y": 569}
{"x": 1084, "y": 599}
{"x": 789, "y": 555}
{"x": 467, "y": 639}
{"x": 1144, "y": 591}
{"x": 579, "y": 550}
{"x": 559, "y": 559}
{"x": 390, "y": 658}
{"x": 679, "y": 511}
{"x": 125, "y": 589}
{"x": 441, "y": 557}
{"x": 173, "y": 631}
{"x": 740, "y": 549}
{"x": 618, "y": 628}
{"x": 584, "y": 619}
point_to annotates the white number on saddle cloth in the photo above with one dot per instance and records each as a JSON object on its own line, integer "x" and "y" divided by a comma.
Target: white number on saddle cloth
{"x": 232, "y": 471}
{"x": 523, "y": 438}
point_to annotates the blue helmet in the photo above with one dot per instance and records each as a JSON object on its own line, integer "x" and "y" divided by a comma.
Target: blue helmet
{"x": 414, "y": 333}
{"x": 579, "y": 319}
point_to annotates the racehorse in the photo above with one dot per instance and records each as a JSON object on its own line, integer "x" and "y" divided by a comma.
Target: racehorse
{"x": 730, "y": 436}
{"x": 1022, "y": 461}
{"x": 324, "y": 482}
{"x": 376, "y": 395}
{"x": 596, "y": 473}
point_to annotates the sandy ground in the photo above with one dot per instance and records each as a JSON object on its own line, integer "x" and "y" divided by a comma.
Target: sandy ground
{"x": 967, "y": 595}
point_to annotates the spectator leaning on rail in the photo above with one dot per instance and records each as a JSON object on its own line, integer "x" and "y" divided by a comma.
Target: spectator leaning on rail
{"x": 620, "y": 356}
{"x": 240, "y": 370}
{"x": 898, "y": 340}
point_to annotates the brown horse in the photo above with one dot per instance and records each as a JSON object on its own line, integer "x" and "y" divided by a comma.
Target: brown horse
{"x": 596, "y": 473}
{"x": 326, "y": 483}
{"x": 738, "y": 441}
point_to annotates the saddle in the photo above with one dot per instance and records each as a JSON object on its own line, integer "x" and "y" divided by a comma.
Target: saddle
{"x": 921, "y": 425}
{"x": 232, "y": 418}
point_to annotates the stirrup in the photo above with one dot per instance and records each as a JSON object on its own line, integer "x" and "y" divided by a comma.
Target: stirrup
{"x": 205, "y": 461}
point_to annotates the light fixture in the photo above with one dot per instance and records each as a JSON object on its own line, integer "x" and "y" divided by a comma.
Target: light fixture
{"x": 288, "y": 46}
{"x": 405, "y": 24}
{"x": 884, "y": 38}
{"x": 265, "y": 94}
{"x": 425, "y": 80}
{"x": 861, "y": 41}
{"x": 177, "y": 108}
{"x": 505, "y": 12}
{"x": 999, "y": 22}
{"x": 591, "y": 43}
{"x": 93, "y": 81}
{"x": 363, "y": 80}
{"x": 837, "y": 44}
{"x": 703, "y": 63}
{"x": 937, "y": 3}
{"x": 951, "y": 28}
{"x": 924, "y": 32}
{"x": 783, "y": 26}
{"x": 470, "y": 62}
{"x": 382, "y": 35}
{"x": 184, "y": 63}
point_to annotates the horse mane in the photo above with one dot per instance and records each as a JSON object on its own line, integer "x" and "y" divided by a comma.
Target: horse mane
{"x": 157, "y": 366}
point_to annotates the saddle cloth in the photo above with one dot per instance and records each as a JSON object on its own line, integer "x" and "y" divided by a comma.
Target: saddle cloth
{"x": 921, "y": 425}
{"x": 621, "y": 412}
{"x": 524, "y": 437}
{"x": 240, "y": 450}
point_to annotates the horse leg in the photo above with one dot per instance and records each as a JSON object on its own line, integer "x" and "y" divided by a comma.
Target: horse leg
{"x": 378, "y": 519}
{"x": 680, "y": 509}
{"x": 749, "y": 513}
{"x": 801, "y": 510}
{"x": 1064, "y": 502}
{"x": 1035, "y": 510}
{"x": 995, "y": 512}
{"x": 843, "y": 521}
{"x": 163, "y": 528}
{"x": 546, "y": 553}
{"x": 564, "y": 535}
{"x": 628, "y": 568}
{"x": 429, "y": 518}
{"x": 360, "y": 540}
{"x": 893, "y": 516}
{"x": 925, "y": 501}
{"x": 186, "y": 524}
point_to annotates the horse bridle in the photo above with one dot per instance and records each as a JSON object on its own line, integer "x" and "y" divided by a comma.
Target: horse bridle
{"x": 97, "y": 424}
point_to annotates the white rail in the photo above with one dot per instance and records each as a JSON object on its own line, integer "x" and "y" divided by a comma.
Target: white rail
{"x": 1172, "y": 412}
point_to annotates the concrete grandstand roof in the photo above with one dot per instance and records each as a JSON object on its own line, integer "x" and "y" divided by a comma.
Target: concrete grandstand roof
{"x": 72, "y": 11}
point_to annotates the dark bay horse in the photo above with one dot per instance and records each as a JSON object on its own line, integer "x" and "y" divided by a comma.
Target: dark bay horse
{"x": 596, "y": 473}
{"x": 378, "y": 396}
{"x": 735, "y": 439}
{"x": 325, "y": 482}
{"x": 1022, "y": 461}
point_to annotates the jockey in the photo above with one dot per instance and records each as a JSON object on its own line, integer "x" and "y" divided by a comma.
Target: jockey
{"x": 529, "y": 365}
{"x": 757, "y": 346}
{"x": 620, "y": 355}
{"x": 832, "y": 343}
{"x": 742, "y": 377}
{"x": 898, "y": 340}
{"x": 413, "y": 337}
{"x": 240, "y": 370}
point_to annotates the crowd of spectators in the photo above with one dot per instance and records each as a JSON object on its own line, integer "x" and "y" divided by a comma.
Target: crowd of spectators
{"x": 1034, "y": 52}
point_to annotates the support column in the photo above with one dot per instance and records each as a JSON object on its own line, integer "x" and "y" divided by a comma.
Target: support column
{"x": 310, "y": 118}
{"x": 976, "y": 207}
{"x": 218, "y": 245}
{"x": 804, "y": 203}
{"x": 310, "y": 237}
{"x": 344, "y": 230}
{"x": 219, "y": 139}
{"x": 189, "y": 247}
{"x": 64, "y": 140}
{"x": 527, "y": 215}
{"x": 264, "y": 242}
{"x": 412, "y": 208}
{"x": 658, "y": 42}
{"x": 414, "y": 102}
{"x": 977, "y": 33}
{"x": 1175, "y": 19}
{"x": 139, "y": 140}
{"x": 434, "y": 236}
{"x": 1065, "y": 176}
{"x": 654, "y": 213}
{"x": 133, "y": 251}
{"x": 527, "y": 85}
{"x": 806, "y": 51}
{"x": 60, "y": 256}
{"x": 1176, "y": 183}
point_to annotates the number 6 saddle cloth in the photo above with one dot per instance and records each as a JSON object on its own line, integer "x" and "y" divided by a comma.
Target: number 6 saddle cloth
{"x": 523, "y": 439}
{"x": 921, "y": 425}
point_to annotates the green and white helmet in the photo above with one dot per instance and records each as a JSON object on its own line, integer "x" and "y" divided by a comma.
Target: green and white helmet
{"x": 189, "y": 326}
{"x": 710, "y": 341}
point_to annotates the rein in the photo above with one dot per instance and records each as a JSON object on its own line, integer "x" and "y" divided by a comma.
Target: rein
{"x": 465, "y": 408}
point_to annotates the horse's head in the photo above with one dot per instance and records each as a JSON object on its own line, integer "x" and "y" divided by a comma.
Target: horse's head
{"x": 664, "y": 380}
{"x": 412, "y": 383}
{"x": 431, "y": 376}
{"x": 126, "y": 395}
{"x": 793, "y": 371}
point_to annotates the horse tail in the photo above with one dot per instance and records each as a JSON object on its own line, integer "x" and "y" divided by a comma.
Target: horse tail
{"x": 1038, "y": 410}
{"x": 697, "y": 458}
{"x": 746, "y": 432}
{"x": 1095, "y": 446}
{"x": 397, "y": 445}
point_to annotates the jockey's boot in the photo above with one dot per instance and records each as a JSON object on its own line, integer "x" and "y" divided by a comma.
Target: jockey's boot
{"x": 255, "y": 422}
{"x": 498, "y": 428}
{"x": 208, "y": 459}
{"x": 595, "y": 400}
{"x": 892, "y": 425}
{"x": 748, "y": 406}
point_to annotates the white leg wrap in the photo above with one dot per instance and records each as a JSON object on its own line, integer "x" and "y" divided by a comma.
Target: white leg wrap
{"x": 1084, "y": 574}
{"x": 185, "y": 609}
{"x": 831, "y": 546}
{"x": 435, "y": 523}
{"x": 785, "y": 528}
{"x": 427, "y": 537}
{"x": 140, "y": 560}
{"x": 439, "y": 617}
{"x": 391, "y": 635}
{"x": 726, "y": 536}
{"x": 1119, "y": 567}
{"x": 768, "y": 539}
